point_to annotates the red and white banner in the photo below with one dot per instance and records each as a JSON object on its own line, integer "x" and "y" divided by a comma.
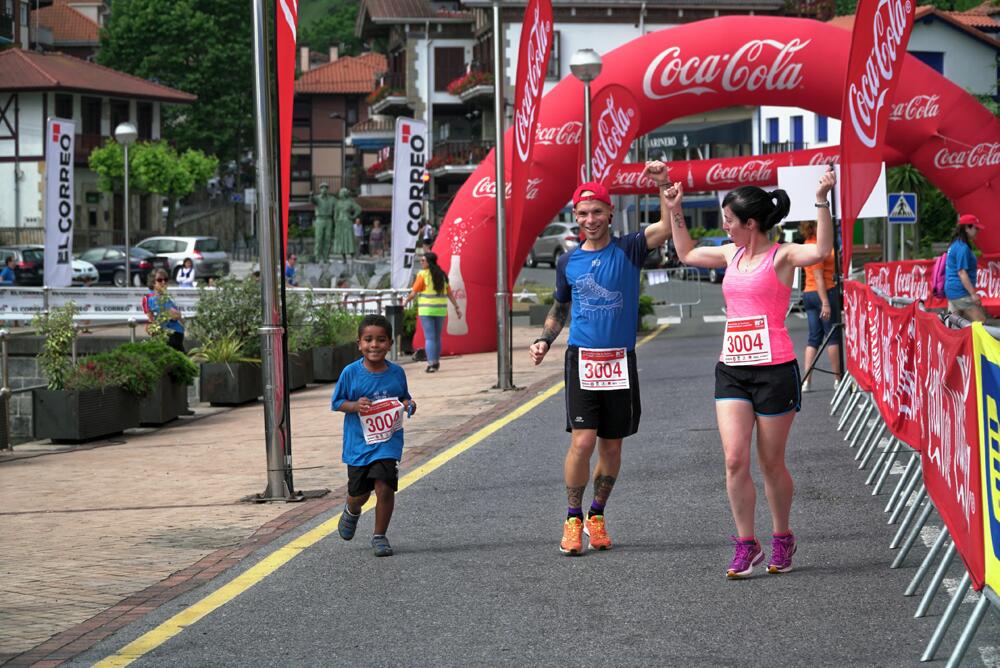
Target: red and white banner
{"x": 614, "y": 125}
{"x": 912, "y": 279}
{"x": 890, "y": 340}
{"x": 532, "y": 64}
{"x": 287, "y": 19}
{"x": 878, "y": 47}
{"x": 856, "y": 351}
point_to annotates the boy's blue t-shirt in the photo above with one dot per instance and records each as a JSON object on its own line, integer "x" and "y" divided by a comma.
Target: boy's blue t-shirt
{"x": 154, "y": 302}
{"x": 603, "y": 287}
{"x": 355, "y": 382}
{"x": 960, "y": 256}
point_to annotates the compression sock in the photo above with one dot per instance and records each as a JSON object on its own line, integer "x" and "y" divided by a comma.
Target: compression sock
{"x": 595, "y": 509}
{"x": 575, "y": 512}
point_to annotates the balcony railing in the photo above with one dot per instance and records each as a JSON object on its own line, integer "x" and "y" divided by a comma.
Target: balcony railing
{"x": 458, "y": 155}
{"x": 783, "y": 146}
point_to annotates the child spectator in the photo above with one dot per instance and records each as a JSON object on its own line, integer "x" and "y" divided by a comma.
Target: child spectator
{"x": 373, "y": 394}
{"x": 185, "y": 275}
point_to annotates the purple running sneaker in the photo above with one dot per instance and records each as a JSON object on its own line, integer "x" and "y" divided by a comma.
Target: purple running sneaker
{"x": 782, "y": 549}
{"x": 748, "y": 554}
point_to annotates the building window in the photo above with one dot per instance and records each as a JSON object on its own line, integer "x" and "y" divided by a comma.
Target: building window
{"x": 302, "y": 112}
{"x": 8, "y": 8}
{"x": 352, "y": 112}
{"x": 553, "y": 71}
{"x": 64, "y": 106}
{"x": 144, "y": 119}
{"x": 119, "y": 113}
{"x": 301, "y": 166}
{"x": 449, "y": 64}
{"x": 797, "y": 136}
{"x": 772, "y": 131}
{"x": 822, "y": 130}
{"x": 90, "y": 115}
{"x": 24, "y": 13}
{"x": 933, "y": 59}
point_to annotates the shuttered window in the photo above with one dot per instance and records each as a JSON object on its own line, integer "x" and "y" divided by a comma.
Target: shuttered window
{"x": 449, "y": 64}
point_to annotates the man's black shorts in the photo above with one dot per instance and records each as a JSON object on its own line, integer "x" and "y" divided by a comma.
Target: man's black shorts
{"x": 361, "y": 479}
{"x": 613, "y": 413}
{"x": 773, "y": 389}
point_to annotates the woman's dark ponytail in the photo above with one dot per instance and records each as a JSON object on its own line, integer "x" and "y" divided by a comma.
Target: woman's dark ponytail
{"x": 438, "y": 277}
{"x": 767, "y": 208}
{"x": 781, "y": 206}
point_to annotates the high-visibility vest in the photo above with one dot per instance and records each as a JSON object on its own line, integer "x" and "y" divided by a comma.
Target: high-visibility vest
{"x": 431, "y": 302}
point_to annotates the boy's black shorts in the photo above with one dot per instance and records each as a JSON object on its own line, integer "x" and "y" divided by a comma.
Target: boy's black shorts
{"x": 773, "y": 389}
{"x": 361, "y": 479}
{"x": 613, "y": 413}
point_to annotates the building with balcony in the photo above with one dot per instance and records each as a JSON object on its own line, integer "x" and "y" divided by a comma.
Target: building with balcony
{"x": 69, "y": 26}
{"x": 14, "y": 23}
{"x": 36, "y": 86}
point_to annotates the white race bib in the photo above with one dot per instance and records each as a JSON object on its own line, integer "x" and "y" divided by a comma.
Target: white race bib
{"x": 746, "y": 341}
{"x": 603, "y": 369}
{"x": 381, "y": 420}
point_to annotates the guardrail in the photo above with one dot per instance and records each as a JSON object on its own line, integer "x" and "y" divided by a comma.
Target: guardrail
{"x": 681, "y": 287}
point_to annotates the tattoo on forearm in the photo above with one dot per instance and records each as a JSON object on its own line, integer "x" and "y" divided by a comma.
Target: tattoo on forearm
{"x": 555, "y": 320}
{"x": 602, "y": 488}
{"x": 574, "y": 495}
{"x": 679, "y": 220}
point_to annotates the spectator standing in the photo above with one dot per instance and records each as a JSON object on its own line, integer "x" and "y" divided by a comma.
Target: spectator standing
{"x": 7, "y": 273}
{"x": 376, "y": 239}
{"x": 185, "y": 275}
{"x": 821, "y": 298}
{"x": 290, "y": 278}
{"x": 359, "y": 237}
{"x": 960, "y": 271}
{"x": 161, "y": 309}
{"x": 432, "y": 308}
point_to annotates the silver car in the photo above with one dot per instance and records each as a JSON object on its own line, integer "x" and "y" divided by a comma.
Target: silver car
{"x": 208, "y": 257}
{"x": 556, "y": 239}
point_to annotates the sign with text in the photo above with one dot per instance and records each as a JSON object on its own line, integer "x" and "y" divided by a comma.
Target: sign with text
{"x": 59, "y": 204}
{"x": 411, "y": 154}
{"x": 987, "y": 351}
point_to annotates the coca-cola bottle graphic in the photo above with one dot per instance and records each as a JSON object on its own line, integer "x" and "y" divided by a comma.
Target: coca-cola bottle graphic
{"x": 690, "y": 177}
{"x": 457, "y": 325}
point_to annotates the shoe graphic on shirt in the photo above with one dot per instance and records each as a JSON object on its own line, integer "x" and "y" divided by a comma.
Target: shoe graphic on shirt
{"x": 594, "y": 297}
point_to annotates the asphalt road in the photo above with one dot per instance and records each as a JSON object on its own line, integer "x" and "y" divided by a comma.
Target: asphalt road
{"x": 477, "y": 578}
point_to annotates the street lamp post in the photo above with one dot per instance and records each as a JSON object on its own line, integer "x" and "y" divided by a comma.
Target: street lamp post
{"x": 586, "y": 66}
{"x": 126, "y": 134}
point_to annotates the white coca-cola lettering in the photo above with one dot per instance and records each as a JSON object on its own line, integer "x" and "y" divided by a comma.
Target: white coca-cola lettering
{"x": 824, "y": 159}
{"x": 487, "y": 187}
{"x": 750, "y": 172}
{"x": 914, "y": 283}
{"x": 881, "y": 280}
{"x": 866, "y": 95}
{"x": 985, "y": 154}
{"x": 538, "y": 52}
{"x": 612, "y": 132}
{"x": 569, "y": 133}
{"x": 632, "y": 177}
{"x": 759, "y": 63}
{"x": 988, "y": 280}
{"x": 919, "y": 107}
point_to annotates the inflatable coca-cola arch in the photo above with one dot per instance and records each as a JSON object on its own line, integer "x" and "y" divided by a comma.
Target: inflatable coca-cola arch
{"x": 935, "y": 125}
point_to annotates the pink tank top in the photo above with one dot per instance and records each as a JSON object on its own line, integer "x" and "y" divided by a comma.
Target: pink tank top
{"x": 756, "y": 293}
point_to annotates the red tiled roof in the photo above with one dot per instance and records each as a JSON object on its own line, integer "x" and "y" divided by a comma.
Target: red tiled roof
{"x": 390, "y": 10}
{"x": 68, "y": 26}
{"x": 988, "y": 8}
{"x": 923, "y": 11}
{"x": 349, "y": 74}
{"x": 31, "y": 70}
{"x": 847, "y": 22}
{"x": 979, "y": 21}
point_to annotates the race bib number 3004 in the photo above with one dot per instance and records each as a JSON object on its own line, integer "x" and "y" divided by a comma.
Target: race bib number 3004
{"x": 746, "y": 341}
{"x": 603, "y": 369}
{"x": 381, "y": 420}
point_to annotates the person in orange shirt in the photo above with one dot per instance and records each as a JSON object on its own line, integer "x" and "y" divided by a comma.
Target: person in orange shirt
{"x": 820, "y": 296}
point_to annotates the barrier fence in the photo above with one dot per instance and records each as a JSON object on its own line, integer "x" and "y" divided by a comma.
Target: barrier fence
{"x": 912, "y": 279}
{"x": 677, "y": 287}
{"x": 918, "y": 390}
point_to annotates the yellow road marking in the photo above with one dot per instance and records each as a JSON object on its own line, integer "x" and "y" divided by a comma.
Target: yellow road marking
{"x": 227, "y": 592}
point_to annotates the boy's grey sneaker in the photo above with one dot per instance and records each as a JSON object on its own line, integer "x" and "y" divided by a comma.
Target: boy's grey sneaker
{"x": 348, "y": 524}
{"x": 382, "y": 547}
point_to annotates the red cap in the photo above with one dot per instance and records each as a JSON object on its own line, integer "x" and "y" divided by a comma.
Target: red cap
{"x": 969, "y": 219}
{"x": 600, "y": 193}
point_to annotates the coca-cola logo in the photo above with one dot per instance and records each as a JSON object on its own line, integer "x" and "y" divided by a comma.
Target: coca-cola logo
{"x": 612, "y": 128}
{"x": 985, "y": 154}
{"x": 751, "y": 171}
{"x": 630, "y": 178}
{"x": 487, "y": 187}
{"x": 569, "y": 133}
{"x": 866, "y": 95}
{"x": 917, "y": 108}
{"x": 537, "y": 55}
{"x": 760, "y": 63}
{"x": 824, "y": 159}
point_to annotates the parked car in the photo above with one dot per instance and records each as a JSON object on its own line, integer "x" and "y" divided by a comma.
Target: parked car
{"x": 556, "y": 239}
{"x": 110, "y": 264}
{"x": 713, "y": 275}
{"x": 209, "y": 258}
{"x": 29, "y": 260}
{"x": 84, "y": 271}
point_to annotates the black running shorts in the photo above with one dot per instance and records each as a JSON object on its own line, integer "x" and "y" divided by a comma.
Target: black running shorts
{"x": 613, "y": 413}
{"x": 773, "y": 389}
{"x": 361, "y": 479}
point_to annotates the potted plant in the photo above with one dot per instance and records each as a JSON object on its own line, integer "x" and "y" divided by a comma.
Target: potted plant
{"x": 300, "y": 338}
{"x": 227, "y": 376}
{"x": 336, "y": 333}
{"x": 409, "y": 329}
{"x": 175, "y": 371}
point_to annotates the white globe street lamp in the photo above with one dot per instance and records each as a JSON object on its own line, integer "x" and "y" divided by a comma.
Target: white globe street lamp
{"x": 586, "y": 66}
{"x": 126, "y": 134}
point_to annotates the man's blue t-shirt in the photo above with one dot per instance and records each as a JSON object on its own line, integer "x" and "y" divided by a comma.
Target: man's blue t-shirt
{"x": 154, "y": 302}
{"x": 7, "y": 276}
{"x": 290, "y": 275}
{"x": 960, "y": 256}
{"x": 603, "y": 287}
{"x": 355, "y": 382}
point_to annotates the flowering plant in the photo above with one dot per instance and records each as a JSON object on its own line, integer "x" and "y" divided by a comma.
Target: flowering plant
{"x": 379, "y": 167}
{"x": 467, "y": 81}
{"x": 383, "y": 91}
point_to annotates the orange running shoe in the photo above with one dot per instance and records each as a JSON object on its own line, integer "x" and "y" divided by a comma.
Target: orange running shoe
{"x": 572, "y": 540}
{"x": 597, "y": 532}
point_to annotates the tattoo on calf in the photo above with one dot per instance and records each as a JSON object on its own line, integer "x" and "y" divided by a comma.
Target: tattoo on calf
{"x": 574, "y": 495}
{"x": 602, "y": 488}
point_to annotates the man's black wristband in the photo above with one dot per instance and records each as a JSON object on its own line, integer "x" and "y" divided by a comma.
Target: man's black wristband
{"x": 548, "y": 342}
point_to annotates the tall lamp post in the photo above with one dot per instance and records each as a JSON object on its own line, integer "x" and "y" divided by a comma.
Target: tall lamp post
{"x": 343, "y": 148}
{"x": 586, "y": 66}
{"x": 126, "y": 134}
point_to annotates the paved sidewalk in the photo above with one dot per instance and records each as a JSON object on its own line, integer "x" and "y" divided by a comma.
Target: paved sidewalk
{"x": 95, "y": 537}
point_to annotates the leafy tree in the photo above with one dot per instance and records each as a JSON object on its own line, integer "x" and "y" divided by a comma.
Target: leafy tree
{"x": 334, "y": 27}
{"x": 153, "y": 168}
{"x": 936, "y": 215}
{"x": 201, "y": 47}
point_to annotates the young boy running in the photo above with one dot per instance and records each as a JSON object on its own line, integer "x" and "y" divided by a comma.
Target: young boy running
{"x": 372, "y": 393}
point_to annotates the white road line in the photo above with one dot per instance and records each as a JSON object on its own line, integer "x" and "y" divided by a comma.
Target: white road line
{"x": 714, "y": 318}
{"x": 669, "y": 320}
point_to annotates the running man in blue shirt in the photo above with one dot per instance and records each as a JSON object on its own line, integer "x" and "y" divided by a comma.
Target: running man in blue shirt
{"x": 372, "y": 393}
{"x": 599, "y": 282}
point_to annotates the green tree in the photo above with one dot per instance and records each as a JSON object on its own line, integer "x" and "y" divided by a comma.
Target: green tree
{"x": 334, "y": 27}
{"x": 936, "y": 215}
{"x": 201, "y": 47}
{"x": 153, "y": 168}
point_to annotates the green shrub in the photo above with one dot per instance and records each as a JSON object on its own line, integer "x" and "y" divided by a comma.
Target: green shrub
{"x": 133, "y": 371}
{"x": 58, "y": 333}
{"x": 645, "y": 305}
{"x": 333, "y": 326}
{"x": 232, "y": 309}
{"x": 409, "y": 323}
{"x": 167, "y": 360}
{"x": 223, "y": 350}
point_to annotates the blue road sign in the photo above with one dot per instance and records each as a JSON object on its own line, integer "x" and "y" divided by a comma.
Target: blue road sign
{"x": 903, "y": 208}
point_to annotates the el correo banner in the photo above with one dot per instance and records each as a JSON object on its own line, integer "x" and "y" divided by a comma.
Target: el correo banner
{"x": 407, "y": 196}
{"x": 59, "y": 205}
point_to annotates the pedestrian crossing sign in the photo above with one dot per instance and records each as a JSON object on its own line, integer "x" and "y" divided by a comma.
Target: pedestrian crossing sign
{"x": 903, "y": 208}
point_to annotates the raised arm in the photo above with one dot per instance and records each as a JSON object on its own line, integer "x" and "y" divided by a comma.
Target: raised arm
{"x": 803, "y": 255}
{"x": 657, "y": 233}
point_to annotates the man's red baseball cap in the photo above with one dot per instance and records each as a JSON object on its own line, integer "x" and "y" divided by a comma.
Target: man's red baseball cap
{"x": 969, "y": 219}
{"x": 600, "y": 193}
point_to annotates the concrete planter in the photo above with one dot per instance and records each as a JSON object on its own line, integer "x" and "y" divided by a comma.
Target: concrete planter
{"x": 349, "y": 352}
{"x": 326, "y": 364}
{"x": 164, "y": 403}
{"x": 230, "y": 383}
{"x": 82, "y": 415}
{"x": 300, "y": 369}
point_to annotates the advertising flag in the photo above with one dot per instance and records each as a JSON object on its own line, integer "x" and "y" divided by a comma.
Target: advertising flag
{"x": 407, "y": 196}
{"x": 878, "y": 46}
{"x": 287, "y": 20}
{"x": 59, "y": 205}
{"x": 614, "y": 125}
{"x": 532, "y": 64}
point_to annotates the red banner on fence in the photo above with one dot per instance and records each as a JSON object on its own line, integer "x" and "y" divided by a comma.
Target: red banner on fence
{"x": 912, "y": 279}
{"x": 891, "y": 333}
{"x": 855, "y": 317}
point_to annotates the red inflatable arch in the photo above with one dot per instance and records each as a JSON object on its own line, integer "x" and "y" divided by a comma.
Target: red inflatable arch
{"x": 936, "y": 126}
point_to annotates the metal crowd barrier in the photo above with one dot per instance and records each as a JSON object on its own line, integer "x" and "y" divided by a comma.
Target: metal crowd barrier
{"x": 681, "y": 287}
{"x": 866, "y": 433}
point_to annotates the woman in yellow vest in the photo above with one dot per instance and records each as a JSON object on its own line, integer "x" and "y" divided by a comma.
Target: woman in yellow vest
{"x": 432, "y": 286}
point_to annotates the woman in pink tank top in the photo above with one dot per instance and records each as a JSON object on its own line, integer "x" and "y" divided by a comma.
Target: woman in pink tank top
{"x": 757, "y": 381}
